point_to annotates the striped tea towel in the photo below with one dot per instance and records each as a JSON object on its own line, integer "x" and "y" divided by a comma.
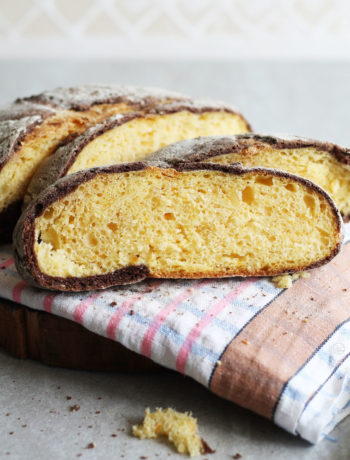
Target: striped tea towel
{"x": 284, "y": 354}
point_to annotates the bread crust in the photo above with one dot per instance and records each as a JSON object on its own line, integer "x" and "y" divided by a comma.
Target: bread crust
{"x": 12, "y": 133}
{"x": 24, "y": 234}
{"x": 203, "y": 148}
{"x": 83, "y": 97}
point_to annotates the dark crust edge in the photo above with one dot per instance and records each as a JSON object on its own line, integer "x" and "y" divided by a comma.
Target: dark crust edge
{"x": 342, "y": 154}
{"x": 25, "y": 257}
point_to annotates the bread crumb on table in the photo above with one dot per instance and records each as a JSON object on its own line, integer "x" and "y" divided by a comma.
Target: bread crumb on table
{"x": 180, "y": 428}
{"x": 286, "y": 281}
{"x": 75, "y": 408}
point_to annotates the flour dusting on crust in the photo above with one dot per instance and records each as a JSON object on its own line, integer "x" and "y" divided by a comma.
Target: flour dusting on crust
{"x": 11, "y": 133}
{"x": 84, "y": 96}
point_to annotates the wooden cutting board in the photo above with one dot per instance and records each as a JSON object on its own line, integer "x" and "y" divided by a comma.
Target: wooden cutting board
{"x": 56, "y": 341}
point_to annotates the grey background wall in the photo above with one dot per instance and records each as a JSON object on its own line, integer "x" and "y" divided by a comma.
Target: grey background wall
{"x": 297, "y": 97}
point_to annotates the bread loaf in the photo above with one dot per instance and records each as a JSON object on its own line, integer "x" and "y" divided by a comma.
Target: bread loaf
{"x": 328, "y": 165}
{"x": 120, "y": 224}
{"x": 32, "y": 128}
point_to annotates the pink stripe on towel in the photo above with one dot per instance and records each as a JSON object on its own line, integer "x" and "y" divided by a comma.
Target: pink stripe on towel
{"x": 196, "y": 331}
{"x": 48, "y": 300}
{"x": 7, "y": 263}
{"x": 114, "y": 322}
{"x": 17, "y": 291}
{"x": 147, "y": 342}
{"x": 81, "y": 308}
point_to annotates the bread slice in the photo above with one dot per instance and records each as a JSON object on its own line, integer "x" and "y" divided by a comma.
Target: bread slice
{"x": 132, "y": 136}
{"x": 122, "y": 223}
{"x": 328, "y": 165}
{"x": 32, "y": 128}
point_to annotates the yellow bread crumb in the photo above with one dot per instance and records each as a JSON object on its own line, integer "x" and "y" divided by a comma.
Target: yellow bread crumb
{"x": 42, "y": 141}
{"x": 190, "y": 224}
{"x": 137, "y": 138}
{"x": 180, "y": 428}
{"x": 319, "y": 166}
{"x": 286, "y": 281}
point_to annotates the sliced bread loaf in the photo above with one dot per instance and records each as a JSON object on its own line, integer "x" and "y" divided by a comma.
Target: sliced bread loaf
{"x": 120, "y": 224}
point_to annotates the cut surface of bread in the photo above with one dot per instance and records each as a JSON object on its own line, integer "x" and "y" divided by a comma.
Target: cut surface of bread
{"x": 32, "y": 128}
{"x": 123, "y": 223}
{"x": 323, "y": 163}
{"x": 40, "y": 142}
{"x": 130, "y": 137}
{"x": 180, "y": 428}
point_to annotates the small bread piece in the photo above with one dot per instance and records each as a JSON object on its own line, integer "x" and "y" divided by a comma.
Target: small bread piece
{"x": 123, "y": 223}
{"x": 180, "y": 428}
{"x": 328, "y": 165}
{"x": 132, "y": 136}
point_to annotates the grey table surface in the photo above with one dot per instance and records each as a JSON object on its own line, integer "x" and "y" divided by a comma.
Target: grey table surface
{"x": 305, "y": 98}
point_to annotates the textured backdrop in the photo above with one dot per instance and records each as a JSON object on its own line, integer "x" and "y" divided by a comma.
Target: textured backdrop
{"x": 175, "y": 28}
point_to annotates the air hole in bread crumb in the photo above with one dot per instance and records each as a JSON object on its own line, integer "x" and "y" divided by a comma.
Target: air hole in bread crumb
{"x": 310, "y": 202}
{"x": 248, "y": 195}
{"x": 290, "y": 187}
{"x": 48, "y": 214}
{"x": 52, "y": 237}
{"x": 93, "y": 240}
{"x": 169, "y": 216}
{"x": 113, "y": 226}
{"x": 264, "y": 180}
